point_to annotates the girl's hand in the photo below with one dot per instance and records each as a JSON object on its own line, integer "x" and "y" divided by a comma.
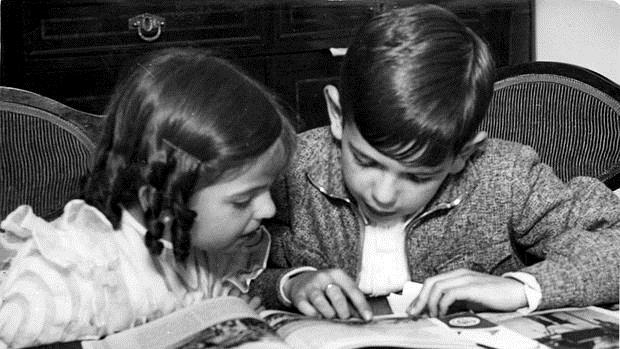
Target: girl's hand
{"x": 255, "y": 302}
{"x": 478, "y": 289}
{"x": 329, "y": 293}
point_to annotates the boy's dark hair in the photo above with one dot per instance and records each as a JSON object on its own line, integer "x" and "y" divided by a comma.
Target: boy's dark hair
{"x": 180, "y": 121}
{"x": 416, "y": 82}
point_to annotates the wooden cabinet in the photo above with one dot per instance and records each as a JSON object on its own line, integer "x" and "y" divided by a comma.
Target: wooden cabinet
{"x": 74, "y": 50}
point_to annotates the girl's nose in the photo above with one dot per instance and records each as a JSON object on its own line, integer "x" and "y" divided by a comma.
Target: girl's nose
{"x": 265, "y": 208}
{"x": 385, "y": 191}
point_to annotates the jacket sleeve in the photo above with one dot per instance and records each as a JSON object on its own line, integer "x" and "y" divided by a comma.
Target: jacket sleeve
{"x": 572, "y": 230}
{"x": 267, "y": 284}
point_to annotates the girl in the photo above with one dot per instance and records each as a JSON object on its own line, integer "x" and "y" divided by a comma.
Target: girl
{"x": 171, "y": 210}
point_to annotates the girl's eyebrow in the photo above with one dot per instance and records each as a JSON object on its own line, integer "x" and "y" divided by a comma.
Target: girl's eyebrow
{"x": 250, "y": 191}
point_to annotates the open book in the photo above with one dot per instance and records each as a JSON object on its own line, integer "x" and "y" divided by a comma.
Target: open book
{"x": 228, "y": 322}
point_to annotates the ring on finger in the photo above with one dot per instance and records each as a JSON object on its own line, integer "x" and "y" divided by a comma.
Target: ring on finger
{"x": 329, "y": 286}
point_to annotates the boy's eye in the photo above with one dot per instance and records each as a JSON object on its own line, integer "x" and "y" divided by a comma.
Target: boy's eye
{"x": 412, "y": 177}
{"x": 364, "y": 162}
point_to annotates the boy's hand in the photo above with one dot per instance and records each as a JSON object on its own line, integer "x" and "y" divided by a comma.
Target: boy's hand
{"x": 329, "y": 293}
{"x": 479, "y": 289}
{"x": 255, "y": 302}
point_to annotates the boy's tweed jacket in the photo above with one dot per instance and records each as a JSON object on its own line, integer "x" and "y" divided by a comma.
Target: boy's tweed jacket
{"x": 513, "y": 214}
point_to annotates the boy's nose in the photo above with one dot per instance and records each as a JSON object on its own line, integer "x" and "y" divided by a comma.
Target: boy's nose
{"x": 385, "y": 192}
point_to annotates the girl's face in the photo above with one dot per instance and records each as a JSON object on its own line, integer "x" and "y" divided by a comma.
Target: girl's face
{"x": 230, "y": 211}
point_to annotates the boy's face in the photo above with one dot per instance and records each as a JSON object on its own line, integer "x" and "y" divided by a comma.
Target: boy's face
{"x": 386, "y": 191}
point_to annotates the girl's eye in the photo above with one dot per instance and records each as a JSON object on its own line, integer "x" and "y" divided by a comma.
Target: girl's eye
{"x": 241, "y": 204}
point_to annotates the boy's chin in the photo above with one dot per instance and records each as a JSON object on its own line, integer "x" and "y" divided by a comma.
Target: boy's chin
{"x": 385, "y": 221}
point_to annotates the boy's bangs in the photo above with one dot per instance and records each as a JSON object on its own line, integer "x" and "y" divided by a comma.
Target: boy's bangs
{"x": 422, "y": 152}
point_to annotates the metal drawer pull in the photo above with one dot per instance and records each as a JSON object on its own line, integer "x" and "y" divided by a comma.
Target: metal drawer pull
{"x": 338, "y": 51}
{"x": 147, "y": 24}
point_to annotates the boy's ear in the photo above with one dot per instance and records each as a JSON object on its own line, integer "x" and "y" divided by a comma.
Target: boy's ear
{"x": 143, "y": 197}
{"x": 467, "y": 151}
{"x": 332, "y": 99}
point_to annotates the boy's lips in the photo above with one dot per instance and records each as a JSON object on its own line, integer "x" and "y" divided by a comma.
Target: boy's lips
{"x": 378, "y": 213}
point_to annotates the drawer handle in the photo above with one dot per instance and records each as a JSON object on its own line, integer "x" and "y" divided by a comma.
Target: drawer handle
{"x": 146, "y": 24}
{"x": 338, "y": 51}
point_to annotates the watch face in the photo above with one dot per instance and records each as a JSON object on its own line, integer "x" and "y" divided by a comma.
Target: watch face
{"x": 467, "y": 320}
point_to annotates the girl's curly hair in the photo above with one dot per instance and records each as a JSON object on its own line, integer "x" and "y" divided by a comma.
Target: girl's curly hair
{"x": 179, "y": 121}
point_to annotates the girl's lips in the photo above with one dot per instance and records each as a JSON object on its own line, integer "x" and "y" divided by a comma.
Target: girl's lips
{"x": 252, "y": 238}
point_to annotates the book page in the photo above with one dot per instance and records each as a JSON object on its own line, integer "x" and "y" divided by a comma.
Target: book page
{"x": 486, "y": 333}
{"x": 224, "y": 322}
{"x": 589, "y": 327}
{"x": 394, "y": 331}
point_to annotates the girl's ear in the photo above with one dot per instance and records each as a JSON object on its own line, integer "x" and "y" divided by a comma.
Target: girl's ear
{"x": 332, "y": 99}
{"x": 467, "y": 151}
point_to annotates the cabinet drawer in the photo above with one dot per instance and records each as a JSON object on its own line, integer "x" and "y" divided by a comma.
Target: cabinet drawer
{"x": 313, "y": 25}
{"x": 73, "y": 50}
{"x": 86, "y": 27}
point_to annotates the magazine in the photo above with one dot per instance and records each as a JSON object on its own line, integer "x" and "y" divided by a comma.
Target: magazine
{"x": 569, "y": 328}
{"x": 228, "y": 322}
{"x": 574, "y": 328}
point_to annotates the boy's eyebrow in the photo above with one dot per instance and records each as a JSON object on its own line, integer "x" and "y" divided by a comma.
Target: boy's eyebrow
{"x": 359, "y": 152}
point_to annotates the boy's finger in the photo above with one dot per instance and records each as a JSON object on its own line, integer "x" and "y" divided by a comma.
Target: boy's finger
{"x": 306, "y": 308}
{"x": 422, "y": 300}
{"x": 416, "y": 307}
{"x": 321, "y": 304}
{"x": 255, "y": 302}
{"x": 359, "y": 302}
{"x": 234, "y": 292}
{"x": 355, "y": 295}
{"x": 449, "y": 298}
{"x": 453, "y": 285}
{"x": 338, "y": 300}
{"x": 419, "y": 303}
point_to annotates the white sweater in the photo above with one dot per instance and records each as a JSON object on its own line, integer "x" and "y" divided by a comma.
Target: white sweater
{"x": 77, "y": 278}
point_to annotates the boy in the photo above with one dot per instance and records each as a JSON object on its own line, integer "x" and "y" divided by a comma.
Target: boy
{"x": 403, "y": 187}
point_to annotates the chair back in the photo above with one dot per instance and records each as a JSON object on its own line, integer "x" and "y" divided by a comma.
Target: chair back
{"x": 45, "y": 149}
{"x": 570, "y": 115}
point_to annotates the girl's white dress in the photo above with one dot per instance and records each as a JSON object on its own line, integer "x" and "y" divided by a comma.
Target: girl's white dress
{"x": 78, "y": 278}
